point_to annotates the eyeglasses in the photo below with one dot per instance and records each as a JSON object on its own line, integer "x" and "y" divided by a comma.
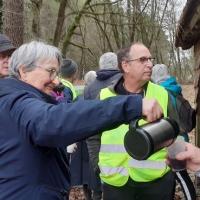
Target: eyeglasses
{"x": 142, "y": 59}
{"x": 52, "y": 72}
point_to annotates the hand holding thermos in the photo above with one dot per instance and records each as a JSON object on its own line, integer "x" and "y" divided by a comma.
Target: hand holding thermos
{"x": 151, "y": 109}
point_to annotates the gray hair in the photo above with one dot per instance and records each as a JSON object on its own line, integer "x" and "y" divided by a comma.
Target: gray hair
{"x": 90, "y": 77}
{"x": 160, "y": 73}
{"x": 108, "y": 61}
{"x": 29, "y": 54}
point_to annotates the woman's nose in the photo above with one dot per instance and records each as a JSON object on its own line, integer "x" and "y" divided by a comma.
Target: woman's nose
{"x": 56, "y": 80}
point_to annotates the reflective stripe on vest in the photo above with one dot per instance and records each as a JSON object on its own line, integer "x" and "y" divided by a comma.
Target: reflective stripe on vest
{"x": 112, "y": 148}
{"x": 68, "y": 84}
{"x": 112, "y": 155}
{"x": 118, "y": 148}
{"x": 113, "y": 170}
{"x": 148, "y": 164}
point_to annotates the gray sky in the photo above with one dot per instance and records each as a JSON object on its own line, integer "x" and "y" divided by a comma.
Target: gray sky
{"x": 182, "y": 5}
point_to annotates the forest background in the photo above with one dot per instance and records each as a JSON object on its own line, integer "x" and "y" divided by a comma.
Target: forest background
{"x": 85, "y": 29}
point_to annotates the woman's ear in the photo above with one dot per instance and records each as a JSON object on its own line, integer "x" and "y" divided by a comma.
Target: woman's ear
{"x": 22, "y": 73}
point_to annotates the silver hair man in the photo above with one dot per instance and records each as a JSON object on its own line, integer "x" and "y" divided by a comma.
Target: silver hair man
{"x": 159, "y": 73}
{"x": 108, "y": 61}
{"x": 29, "y": 54}
{"x": 90, "y": 77}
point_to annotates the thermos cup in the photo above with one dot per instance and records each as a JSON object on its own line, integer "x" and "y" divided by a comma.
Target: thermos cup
{"x": 142, "y": 141}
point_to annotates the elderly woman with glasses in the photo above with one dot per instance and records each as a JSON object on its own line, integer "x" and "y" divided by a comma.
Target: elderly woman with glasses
{"x": 35, "y": 129}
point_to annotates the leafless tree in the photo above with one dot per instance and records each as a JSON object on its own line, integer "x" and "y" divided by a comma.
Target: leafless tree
{"x": 73, "y": 26}
{"x": 36, "y": 7}
{"x": 86, "y": 29}
{"x": 13, "y": 24}
{"x": 60, "y": 22}
{"x": 1, "y": 13}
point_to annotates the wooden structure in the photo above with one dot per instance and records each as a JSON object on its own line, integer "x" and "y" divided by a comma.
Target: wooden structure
{"x": 187, "y": 36}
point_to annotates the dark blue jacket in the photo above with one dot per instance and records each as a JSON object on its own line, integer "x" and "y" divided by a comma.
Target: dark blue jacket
{"x": 104, "y": 78}
{"x": 33, "y": 130}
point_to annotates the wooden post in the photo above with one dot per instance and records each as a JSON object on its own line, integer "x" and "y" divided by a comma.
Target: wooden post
{"x": 197, "y": 102}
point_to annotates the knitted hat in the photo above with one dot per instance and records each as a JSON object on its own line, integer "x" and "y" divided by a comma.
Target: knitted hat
{"x": 108, "y": 61}
{"x": 159, "y": 73}
{"x": 68, "y": 68}
{"x": 5, "y": 44}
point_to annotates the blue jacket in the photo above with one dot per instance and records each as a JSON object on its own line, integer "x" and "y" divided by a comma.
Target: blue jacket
{"x": 33, "y": 130}
{"x": 172, "y": 85}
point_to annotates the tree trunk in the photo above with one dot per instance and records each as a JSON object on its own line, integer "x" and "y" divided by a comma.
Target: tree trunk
{"x": 1, "y": 14}
{"x": 13, "y": 25}
{"x": 36, "y": 7}
{"x": 73, "y": 26}
{"x": 60, "y": 22}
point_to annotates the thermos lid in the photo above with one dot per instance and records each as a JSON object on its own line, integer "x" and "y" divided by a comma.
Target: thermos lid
{"x": 138, "y": 144}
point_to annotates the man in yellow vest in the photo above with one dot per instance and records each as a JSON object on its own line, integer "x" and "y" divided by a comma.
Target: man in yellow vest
{"x": 125, "y": 178}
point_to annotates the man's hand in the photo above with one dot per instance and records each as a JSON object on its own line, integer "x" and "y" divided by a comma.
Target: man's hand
{"x": 192, "y": 157}
{"x": 151, "y": 110}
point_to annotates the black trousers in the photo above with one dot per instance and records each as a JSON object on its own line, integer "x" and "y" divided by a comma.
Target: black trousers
{"x": 160, "y": 189}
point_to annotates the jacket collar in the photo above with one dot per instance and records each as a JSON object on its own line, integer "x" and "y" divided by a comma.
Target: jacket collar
{"x": 115, "y": 82}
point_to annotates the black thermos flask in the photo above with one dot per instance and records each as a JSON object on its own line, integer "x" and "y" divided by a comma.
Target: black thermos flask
{"x": 142, "y": 141}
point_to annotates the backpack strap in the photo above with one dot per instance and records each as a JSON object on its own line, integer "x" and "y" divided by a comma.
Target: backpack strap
{"x": 186, "y": 184}
{"x": 181, "y": 111}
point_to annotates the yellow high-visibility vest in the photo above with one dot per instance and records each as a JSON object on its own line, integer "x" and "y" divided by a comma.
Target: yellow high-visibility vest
{"x": 71, "y": 87}
{"x": 115, "y": 164}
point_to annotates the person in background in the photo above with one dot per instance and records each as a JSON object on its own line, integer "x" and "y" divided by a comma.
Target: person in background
{"x": 68, "y": 72}
{"x": 160, "y": 75}
{"x": 79, "y": 159}
{"x": 108, "y": 72}
{"x": 89, "y": 77}
{"x": 80, "y": 171}
{"x": 6, "y": 49}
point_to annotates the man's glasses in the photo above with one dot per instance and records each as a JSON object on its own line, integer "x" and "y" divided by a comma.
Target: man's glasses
{"x": 142, "y": 59}
{"x": 53, "y": 73}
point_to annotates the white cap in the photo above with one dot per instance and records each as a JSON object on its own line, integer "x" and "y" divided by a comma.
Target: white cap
{"x": 108, "y": 61}
{"x": 90, "y": 77}
{"x": 159, "y": 73}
